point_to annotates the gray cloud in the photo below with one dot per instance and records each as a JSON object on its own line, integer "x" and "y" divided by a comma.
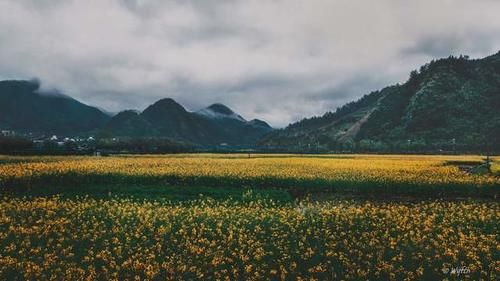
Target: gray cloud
{"x": 443, "y": 45}
{"x": 276, "y": 60}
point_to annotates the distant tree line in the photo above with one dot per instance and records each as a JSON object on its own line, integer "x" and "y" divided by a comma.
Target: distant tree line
{"x": 11, "y": 143}
{"x": 488, "y": 143}
{"x": 25, "y": 146}
{"x": 22, "y": 145}
{"x": 141, "y": 145}
{"x": 452, "y": 146}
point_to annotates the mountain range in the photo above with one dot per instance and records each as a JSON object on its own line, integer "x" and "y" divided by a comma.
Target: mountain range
{"x": 25, "y": 108}
{"x": 451, "y": 103}
{"x": 446, "y": 103}
{"x": 216, "y": 124}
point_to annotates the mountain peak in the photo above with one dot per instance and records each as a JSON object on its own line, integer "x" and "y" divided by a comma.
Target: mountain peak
{"x": 163, "y": 108}
{"x": 219, "y": 111}
{"x": 220, "y": 108}
{"x": 128, "y": 112}
{"x": 259, "y": 123}
{"x": 169, "y": 103}
{"x": 25, "y": 86}
{"x": 127, "y": 123}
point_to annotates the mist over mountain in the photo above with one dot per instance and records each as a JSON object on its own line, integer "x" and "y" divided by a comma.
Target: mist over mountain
{"x": 447, "y": 103}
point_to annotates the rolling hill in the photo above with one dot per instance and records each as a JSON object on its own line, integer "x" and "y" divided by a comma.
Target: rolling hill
{"x": 451, "y": 103}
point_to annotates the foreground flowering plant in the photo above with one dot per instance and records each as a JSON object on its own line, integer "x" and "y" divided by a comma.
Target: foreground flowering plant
{"x": 119, "y": 239}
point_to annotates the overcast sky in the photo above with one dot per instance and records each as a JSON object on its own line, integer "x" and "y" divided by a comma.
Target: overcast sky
{"x": 275, "y": 60}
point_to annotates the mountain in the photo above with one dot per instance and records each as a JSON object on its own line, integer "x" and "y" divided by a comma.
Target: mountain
{"x": 24, "y": 108}
{"x": 451, "y": 103}
{"x": 219, "y": 111}
{"x": 128, "y": 123}
{"x": 259, "y": 123}
{"x": 213, "y": 125}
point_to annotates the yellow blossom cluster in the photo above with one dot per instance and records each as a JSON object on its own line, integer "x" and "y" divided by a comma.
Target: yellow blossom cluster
{"x": 124, "y": 239}
{"x": 496, "y": 167}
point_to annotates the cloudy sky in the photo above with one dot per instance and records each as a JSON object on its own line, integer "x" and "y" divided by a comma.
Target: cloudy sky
{"x": 276, "y": 60}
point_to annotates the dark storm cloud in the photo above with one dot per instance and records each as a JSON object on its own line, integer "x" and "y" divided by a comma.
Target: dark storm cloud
{"x": 275, "y": 60}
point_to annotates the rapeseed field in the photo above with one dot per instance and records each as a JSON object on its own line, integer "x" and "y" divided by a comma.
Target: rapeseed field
{"x": 120, "y": 239}
{"x": 428, "y": 175}
{"x": 445, "y": 227}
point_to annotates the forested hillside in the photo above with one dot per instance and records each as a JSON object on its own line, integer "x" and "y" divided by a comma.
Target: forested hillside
{"x": 448, "y": 104}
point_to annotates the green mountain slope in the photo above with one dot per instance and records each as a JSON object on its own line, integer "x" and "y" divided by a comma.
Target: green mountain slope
{"x": 451, "y": 103}
{"x": 213, "y": 125}
{"x": 128, "y": 123}
{"x": 24, "y": 109}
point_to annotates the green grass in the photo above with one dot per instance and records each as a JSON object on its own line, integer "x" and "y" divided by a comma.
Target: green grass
{"x": 154, "y": 192}
{"x": 298, "y": 188}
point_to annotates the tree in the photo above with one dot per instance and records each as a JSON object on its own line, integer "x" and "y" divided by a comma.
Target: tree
{"x": 13, "y": 144}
